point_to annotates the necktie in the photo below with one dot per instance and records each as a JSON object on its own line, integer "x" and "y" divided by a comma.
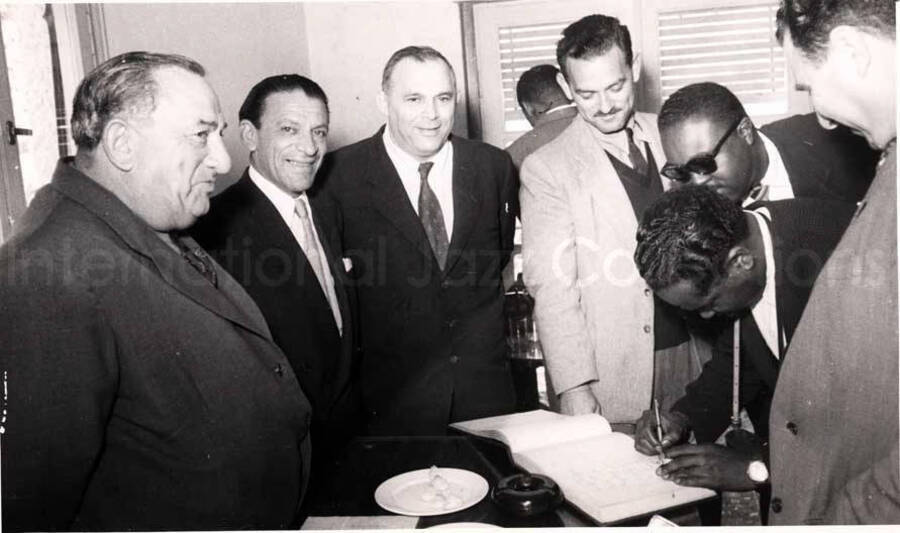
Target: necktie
{"x": 432, "y": 217}
{"x": 638, "y": 163}
{"x": 314, "y": 255}
{"x": 197, "y": 258}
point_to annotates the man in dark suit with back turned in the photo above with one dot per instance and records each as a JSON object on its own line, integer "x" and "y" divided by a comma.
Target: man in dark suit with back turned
{"x": 427, "y": 220}
{"x": 702, "y": 253}
{"x": 276, "y": 241}
{"x": 142, "y": 388}
{"x": 545, "y": 106}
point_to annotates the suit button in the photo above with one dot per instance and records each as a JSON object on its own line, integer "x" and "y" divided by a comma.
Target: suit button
{"x": 647, "y": 292}
{"x": 454, "y": 359}
{"x": 451, "y": 323}
{"x": 776, "y": 505}
{"x": 792, "y": 427}
{"x": 279, "y": 370}
{"x": 445, "y": 284}
{"x": 647, "y": 328}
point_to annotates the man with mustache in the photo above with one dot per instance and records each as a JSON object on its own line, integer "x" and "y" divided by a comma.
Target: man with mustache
{"x": 604, "y": 335}
{"x": 274, "y": 237}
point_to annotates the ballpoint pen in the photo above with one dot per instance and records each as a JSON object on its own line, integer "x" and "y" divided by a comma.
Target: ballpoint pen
{"x": 659, "y": 436}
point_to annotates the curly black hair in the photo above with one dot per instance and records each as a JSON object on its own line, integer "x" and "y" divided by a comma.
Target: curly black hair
{"x": 686, "y": 235}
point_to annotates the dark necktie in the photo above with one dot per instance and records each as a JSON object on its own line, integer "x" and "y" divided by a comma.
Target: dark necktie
{"x": 638, "y": 163}
{"x": 199, "y": 259}
{"x": 432, "y": 217}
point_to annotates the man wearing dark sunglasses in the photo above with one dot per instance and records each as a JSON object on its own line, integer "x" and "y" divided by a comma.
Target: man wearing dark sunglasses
{"x": 709, "y": 140}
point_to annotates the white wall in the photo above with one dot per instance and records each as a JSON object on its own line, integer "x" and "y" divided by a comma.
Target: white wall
{"x": 239, "y": 44}
{"x": 349, "y": 43}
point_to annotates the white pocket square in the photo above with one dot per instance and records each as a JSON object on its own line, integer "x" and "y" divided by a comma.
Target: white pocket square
{"x": 348, "y": 264}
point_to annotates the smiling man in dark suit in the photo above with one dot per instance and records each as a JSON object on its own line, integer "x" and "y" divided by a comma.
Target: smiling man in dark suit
{"x": 427, "y": 220}
{"x": 273, "y": 238}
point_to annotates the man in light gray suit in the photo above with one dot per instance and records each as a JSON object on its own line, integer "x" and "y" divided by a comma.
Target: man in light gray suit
{"x": 605, "y": 337}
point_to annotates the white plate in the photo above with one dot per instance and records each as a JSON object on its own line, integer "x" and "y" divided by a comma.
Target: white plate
{"x": 403, "y": 494}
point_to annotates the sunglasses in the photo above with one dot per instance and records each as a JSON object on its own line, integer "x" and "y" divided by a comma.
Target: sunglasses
{"x": 703, "y": 163}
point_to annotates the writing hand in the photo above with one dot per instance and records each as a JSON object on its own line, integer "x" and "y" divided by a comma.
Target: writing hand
{"x": 674, "y": 429}
{"x": 708, "y": 465}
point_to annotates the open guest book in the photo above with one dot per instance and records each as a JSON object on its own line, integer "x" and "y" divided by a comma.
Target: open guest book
{"x": 598, "y": 470}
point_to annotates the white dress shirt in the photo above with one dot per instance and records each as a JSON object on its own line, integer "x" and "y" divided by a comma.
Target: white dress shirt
{"x": 765, "y": 312}
{"x": 440, "y": 178}
{"x": 776, "y": 184}
{"x": 284, "y": 204}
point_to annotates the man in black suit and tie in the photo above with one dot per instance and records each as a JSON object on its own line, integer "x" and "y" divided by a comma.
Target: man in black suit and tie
{"x": 704, "y": 254}
{"x": 427, "y": 219}
{"x": 273, "y": 237}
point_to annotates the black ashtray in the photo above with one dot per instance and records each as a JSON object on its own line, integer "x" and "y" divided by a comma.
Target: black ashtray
{"x": 527, "y": 494}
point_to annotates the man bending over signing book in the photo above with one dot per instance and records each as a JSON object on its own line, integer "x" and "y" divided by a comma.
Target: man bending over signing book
{"x": 701, "y": 252}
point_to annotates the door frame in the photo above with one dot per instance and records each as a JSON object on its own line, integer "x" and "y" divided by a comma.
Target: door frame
{"x": 12, "y": 189}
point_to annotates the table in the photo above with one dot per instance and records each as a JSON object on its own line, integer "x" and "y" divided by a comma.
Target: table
{"x": 367, "y": 462}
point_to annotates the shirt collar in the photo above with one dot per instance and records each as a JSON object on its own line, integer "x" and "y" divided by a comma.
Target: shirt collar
{"x": 619, "y": 140}
{"x": 283, "y": 201}
{"x": 552, "y": 114}
{"x": 765, "y": 312}
{"x": 402, "y": 159}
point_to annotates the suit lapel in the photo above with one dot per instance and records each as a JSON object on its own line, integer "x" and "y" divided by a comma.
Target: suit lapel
{"x": 229, "y": 300}
{"x": 610, "y": 204}
{"x": 272, "y": 231}
{"x": 334, "y": 260}
{"x": 465, "y": 204}
{"x": 172, "y": 268}
{"x": 390, "y": 199}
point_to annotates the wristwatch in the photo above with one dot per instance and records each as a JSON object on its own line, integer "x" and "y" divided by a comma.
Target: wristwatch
{"x": 758, "y": 472}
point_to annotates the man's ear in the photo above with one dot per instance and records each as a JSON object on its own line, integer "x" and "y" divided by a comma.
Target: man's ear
{"x": 636, "y": 67}
{"x": 564, "y": 85}
{"x": 849, "y": 47}
{"x": 381, "y": 101}
{"x": 745, "y": 130}
{"x": 248, "y": 135}
{"x": 739, "y": 261}
{"x": 119, "y": 143}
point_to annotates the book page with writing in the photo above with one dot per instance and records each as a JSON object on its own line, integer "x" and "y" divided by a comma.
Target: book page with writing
{"x": 536, "y": 429}
{"x": 607, "y": 478}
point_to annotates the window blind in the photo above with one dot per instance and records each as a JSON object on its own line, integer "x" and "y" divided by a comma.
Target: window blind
{"x": 732, "y": 46}
{"x": 523, "y": 47}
